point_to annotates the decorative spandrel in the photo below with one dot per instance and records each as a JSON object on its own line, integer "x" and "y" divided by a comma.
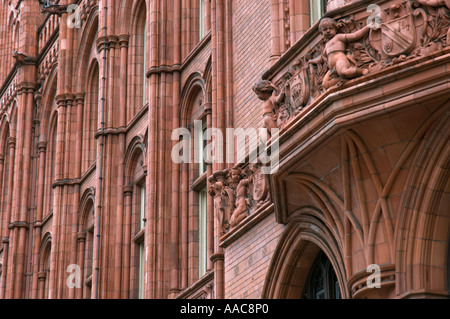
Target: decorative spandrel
{"x": 349, "y": 48}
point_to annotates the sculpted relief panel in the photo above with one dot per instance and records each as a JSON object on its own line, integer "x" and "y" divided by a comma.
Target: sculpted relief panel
{"x": 237, "y": 194}
{"x": 352, "y": 48}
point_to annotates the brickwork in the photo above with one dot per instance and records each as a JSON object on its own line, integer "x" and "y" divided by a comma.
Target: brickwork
{"x": 247, "y": 260}
{"x": 87, "y": 175}
{"x": 251, "y": 38}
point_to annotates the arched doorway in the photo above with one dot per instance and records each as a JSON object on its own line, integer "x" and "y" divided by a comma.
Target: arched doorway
{"x": 307, "y": 263}
{"x": 322, "y": 282}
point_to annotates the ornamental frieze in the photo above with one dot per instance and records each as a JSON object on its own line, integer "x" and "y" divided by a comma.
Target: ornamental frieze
{"x": 351, "y": 48}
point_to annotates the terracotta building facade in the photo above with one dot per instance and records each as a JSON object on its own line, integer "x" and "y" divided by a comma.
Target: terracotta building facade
{"x": 224, "y": 149}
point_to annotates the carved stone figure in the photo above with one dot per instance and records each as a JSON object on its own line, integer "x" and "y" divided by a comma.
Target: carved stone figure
{"x": 266, "y": 92}
{"x": 221, "y": 205}
{"x": 57, "y": 9}
{"x": 335, "y": 52}
{"x": 237, "y": 193}
{"x": 23, "y": 58}
{"x": 242, "y": 202}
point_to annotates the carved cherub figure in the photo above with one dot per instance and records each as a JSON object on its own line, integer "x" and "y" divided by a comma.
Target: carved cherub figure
{"x": 234, "y": 176}
{"x": 266, "y": 92}
{"x": 241, "y": 202}
{"x": 217, "y": 186}
{"x": 341, "y": 67}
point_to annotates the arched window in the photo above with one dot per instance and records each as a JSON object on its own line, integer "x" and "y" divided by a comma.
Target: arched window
{"x": 44, "y": 267}
{"x": 5, "y": 172}
{"x": 135, "y": 222}
{"x": 138, "y": 61}
{"x": 90, "y": 118}
{"x": 86, "y": 248}
{"x": 50, "y": 165}
{"x": 322, "y": 281}
{"x": 194, "y": 180}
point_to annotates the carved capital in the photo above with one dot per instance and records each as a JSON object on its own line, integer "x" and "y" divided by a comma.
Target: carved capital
{"x": 42, "y": 146}
{"x": 79, "y": 98}
{"x": 42, "y": 275}
{"x": 123, "y": 40}
{"x": 18, "y": 224}
{"x": 81, "y": 236}
{"x": 128, "y": 190}
{"x": 217, "y": 256}
{"x": 11, "y": 142}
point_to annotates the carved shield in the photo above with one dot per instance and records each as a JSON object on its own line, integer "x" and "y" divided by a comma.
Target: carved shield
{"x": 260, "y": 187}
{"x": 398, "y": 36}
{"x": 299, "y": 87}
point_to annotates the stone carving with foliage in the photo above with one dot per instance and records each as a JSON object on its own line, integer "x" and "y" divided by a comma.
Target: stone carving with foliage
{"x": 350, "y": 49}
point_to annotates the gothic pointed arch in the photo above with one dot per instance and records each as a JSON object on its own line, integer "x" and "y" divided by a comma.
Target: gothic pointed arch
{"x": 138, "y": 57}
{"x": 136, "y": 218}
{"x": 423, "y": 228}
{"x": 85, "y": 242}
{"x": 44, "y": 266}
{"x": 87, "y": 50}
{"x": 90, "y": 116}
{"x": 306, "y": 235}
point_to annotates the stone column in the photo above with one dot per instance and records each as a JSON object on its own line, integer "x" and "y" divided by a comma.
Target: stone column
{"x": 5, "y": 287}
{"x": 128, "y": 194}
{"x": 81, "y": 240}
{"x": 42, "y": 146}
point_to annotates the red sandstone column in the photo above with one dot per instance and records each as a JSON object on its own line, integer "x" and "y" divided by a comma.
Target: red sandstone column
{"x": 153, "y": 147}
{"x": 42, "y": 145}
{"x": 26, "y": 171}
{"x": 123, "y": 41}
{"x": 175, "y": 215}
{"x": 128, "y": 193}
{"x": 17, "y": 191}
{"x": 218, "y": 117}
{"x": 57, "y": 201}
{"x": 81, "y": 239}
{"x": 4, "y": 289}
{"x": 275, "y": 32}
{"x": 209, "y": 202}
{"x": 42, "y": 276}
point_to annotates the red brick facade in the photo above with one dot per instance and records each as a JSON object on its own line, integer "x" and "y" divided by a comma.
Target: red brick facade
{"x": 93, "y": 204}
